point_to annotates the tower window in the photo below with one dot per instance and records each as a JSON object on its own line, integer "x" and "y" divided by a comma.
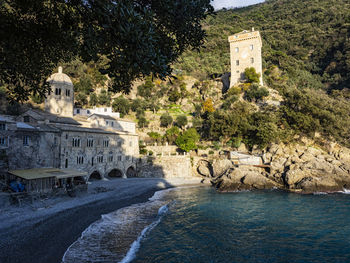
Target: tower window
{"x": 67, "y": 92}
{"x": 110, "y": 157}
{"x": 49, "y": 92}
{"x": 251, "y": 47}
{"x": 237, "y": 49}
{"x": 237, "y": 62}
{"x": 58, "y": 91}
{"x": 252, "y": 60}
{"x": 105, "y": 142}
{"x": 100, "y": 159}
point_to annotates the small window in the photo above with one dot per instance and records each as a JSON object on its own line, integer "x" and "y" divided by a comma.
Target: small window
{"x": 66, "y": 136}
{"x": 130, "y": 144}
{"x": 90, "y": 142}
{"x": 3, "y": 141}
{"x": 252, "y": 60}
{"x": 112, "y": 123}
{"x": 25, "y": 140}
{"x": 119, "y": 144}
{"x": 237, "y": 71}
{"x": 80, "y": 160}
{"x": 49, "y": 92}
{"x": 100, "y": 159}
{"x": 237, "y": 49}
{"x": 26, "y": 119}
{"x": 78, "y": 111}
{"x": 88, "y": 111}
{"x": 127, "y": 158}
{"x": 251, "y": 47}
{"x": 237, "y": 62}
{"x": 106, "y": 123}
{"x": 66, "y": 164}
{"x": 58, "y": 91}
{"x": 110, "y": 157}
{"x": 105, "y": 142}
{"x": 55, "y": 141}
{"x": 92, "y": 161}
{"x": 67, "y": 92}
{"x": 119, "y": 158}
{"x": 105, "y": 109}
{"x": 2, "y": 126}
{"x": 76, "y": 142}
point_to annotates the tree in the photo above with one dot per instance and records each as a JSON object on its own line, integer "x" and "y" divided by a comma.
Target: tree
{"x": 256, "y": 93}
{"x": 174, "y": 95}
{"x": 121, "y": 105}
{"x": 81, "y": 99}
{"x": 181, "y": 121}
{"x": 171, "y": 134}
{"x": 208, "y": 105}
{"x": 146, "y": 90}
{"x": 138, "y": 104}
{"x": 155, "y": 136}
{"x": 251, "y": 75}
{"x": 166, "y": 120}
{"x": 93, "y": 99}
{"x": 142, "y": 122}
{"x": 188, "y": 140}
{"x": 104, "y": 98}
{"x": 138, "y": 37}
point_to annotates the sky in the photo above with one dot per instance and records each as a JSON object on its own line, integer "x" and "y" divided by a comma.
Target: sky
{"x": 218, "y": 4}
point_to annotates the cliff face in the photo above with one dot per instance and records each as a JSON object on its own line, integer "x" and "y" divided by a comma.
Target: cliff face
{"x": 301, "y": 167}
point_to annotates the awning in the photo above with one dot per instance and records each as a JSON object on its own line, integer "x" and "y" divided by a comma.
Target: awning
{"x": 39, "y": 173}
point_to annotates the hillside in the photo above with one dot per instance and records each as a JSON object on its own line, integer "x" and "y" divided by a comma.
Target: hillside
{"x": 308, "y": 40}
{"x": 306, "y": 54}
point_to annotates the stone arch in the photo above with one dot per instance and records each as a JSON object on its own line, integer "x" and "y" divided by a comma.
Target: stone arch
{"x": 115, "y": 173}
{"x": 131, "y": 172}
{"x": 95, "y": 175}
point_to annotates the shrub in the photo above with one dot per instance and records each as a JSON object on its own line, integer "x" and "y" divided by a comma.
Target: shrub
{"x": 181, "y": 121}
{"x": 251, "y": 75}
{"x": 121, "y": 105}
{"x": 256, "y": 93}
{"x": 188, "y": 140}
{"x": 166, "y": 120}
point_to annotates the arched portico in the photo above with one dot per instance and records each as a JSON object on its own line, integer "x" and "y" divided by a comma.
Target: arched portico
{"x": 115, "y": 173}
{"x": 95, "y": 175}
{"x": 131, "y": 172}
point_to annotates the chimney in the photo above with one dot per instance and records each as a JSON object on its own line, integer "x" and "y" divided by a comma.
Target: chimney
{"x": 252, "y": 29}
{"x": 59, "y": 69}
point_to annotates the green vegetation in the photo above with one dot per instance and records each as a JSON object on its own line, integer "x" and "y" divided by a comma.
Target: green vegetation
{"x": 187, "y": 141}
{"x": 251, "y": 75}
{"x": 139, "y": 38}
{"x": 166, "y": 120}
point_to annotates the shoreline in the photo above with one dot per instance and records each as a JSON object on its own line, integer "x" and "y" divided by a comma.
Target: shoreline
{"x": 45, "y": 234}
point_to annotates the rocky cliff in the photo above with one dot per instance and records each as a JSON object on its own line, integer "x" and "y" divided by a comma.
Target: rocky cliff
{"x": 301, "y": 167}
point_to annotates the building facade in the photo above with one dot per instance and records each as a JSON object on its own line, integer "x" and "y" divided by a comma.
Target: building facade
{"x": 45, "y": 139}
{"x": 245, "y": 52}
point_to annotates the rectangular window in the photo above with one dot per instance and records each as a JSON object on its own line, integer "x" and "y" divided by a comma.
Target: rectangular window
{"x": 25, "y": 140}
{"x": 67, "y": 92}
{"x": 237, "y": 49}
{"x": 110, "y": 157}
{"x": 92, "y": 161}
{"x": 80, "y": 160}
{"x": 105, "y": 142}
{"x": 55, "y": 141}
{"x": 112, "y": 123}
{"x": 66, "y": 136}
{"x": 127, "y": 158}
{"x": 119, "y": 144}
{"x": 106, "y": 123}
{"x": 76, "y": 142}
{"x": 2, "y": 126}
{"x": 252, "y": 60}
{"x": 119, "y": 158}
{"x": 100, "y": 159}
{"x": 49, "y": 92}
{"x": 3, "y": 141}
{"x": 26, "y": 119}
{"x": 58, "y": 91}
{"x": 237, "y": 62}
{"x": 130, "y": 144}
{"x": 90, "y": 142}
{"x": 251, "y": 47}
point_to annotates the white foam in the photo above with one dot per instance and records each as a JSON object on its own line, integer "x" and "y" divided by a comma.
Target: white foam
{"x": 345, "y": 191}
{"x": 136, "y": 244}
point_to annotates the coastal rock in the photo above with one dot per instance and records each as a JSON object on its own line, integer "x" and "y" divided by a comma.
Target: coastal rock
{"x": 205, "y": 168}
{"x": 220, "y": 166}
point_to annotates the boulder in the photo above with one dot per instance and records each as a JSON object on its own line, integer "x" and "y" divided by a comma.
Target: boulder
{"x": 205, "y": 169}
{"x": 220, "y": 166}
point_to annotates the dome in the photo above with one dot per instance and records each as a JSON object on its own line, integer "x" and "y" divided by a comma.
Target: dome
{"x": 60, "y": 78}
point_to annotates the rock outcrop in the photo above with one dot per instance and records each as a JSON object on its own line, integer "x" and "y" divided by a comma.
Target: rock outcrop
{"x": 303, "y": 167}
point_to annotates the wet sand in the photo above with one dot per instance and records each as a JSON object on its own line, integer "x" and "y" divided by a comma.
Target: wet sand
{"x": 44, "y": 234}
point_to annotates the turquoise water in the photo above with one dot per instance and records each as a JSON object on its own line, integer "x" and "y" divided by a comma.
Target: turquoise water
{"x": 204, "y": 226}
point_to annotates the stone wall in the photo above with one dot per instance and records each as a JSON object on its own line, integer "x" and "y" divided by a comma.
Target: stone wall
{"x": 165, "y": 167}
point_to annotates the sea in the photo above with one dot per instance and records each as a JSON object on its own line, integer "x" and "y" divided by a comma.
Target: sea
{"x": 198, "y": 224}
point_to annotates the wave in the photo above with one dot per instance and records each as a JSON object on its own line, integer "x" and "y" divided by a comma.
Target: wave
{"x": 116, "y": 236}
{"x": 136, "y": 244}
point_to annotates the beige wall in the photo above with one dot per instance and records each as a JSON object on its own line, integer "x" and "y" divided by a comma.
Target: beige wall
{"x": 61, "y": 105}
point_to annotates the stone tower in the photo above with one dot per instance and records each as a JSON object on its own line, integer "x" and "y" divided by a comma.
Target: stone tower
{"x": 60, "y": 99}
{"x": 245, "y": 50}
